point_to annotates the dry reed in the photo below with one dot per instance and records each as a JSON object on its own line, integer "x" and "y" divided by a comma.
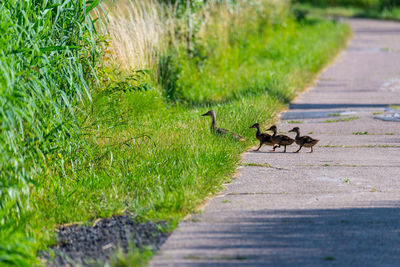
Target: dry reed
{"x": 136, "y": 30}
{"x": 140, "y": 30}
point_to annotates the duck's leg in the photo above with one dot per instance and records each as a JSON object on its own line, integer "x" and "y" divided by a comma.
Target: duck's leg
{"x": 298, "y": 149}
{"x": 311, "y": 150}
{"x": 276, "y": 146}
{"x": 259, "y": 147}
{"x": 284, "y": 151}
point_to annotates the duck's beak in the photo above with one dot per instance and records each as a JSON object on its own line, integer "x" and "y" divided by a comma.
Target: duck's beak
{"x": 205, "y": 114}
{"x": 291, "y": 131}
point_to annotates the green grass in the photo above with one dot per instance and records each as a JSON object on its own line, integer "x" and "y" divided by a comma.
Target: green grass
{"x": 171, "y": 161}
{"x": 329, "y": 258}
{"x": 313, "y": 11}
{"x": 341, "y": 120}
{"x": 360, "y": 133}
{"x": 368, "y": 133}
{"x": 395, "y": 107}
{"x": 146, "y": 147}
{"x": 48, "y": 55}
{"x": 134, "y": 257}
{"x": 258, "y": 56}
{"x": 267, "y": 165}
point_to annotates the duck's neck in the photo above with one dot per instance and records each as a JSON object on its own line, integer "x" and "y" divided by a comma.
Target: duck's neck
{"x": 274, "y": 130}
{"x": 214, "y": 122}
{"x": 258, "y": 131}
{"x": 297, "y": 135}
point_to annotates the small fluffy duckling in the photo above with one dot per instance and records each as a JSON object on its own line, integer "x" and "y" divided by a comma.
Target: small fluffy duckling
{"x": 305, "y": 141}
{"x": 264, "y": 138}
{"x": 280, "y": 139}
{"x": 218, "y": 130}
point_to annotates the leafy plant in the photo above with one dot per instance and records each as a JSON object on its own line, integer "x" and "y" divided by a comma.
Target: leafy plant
{"x": 48, "y": 53}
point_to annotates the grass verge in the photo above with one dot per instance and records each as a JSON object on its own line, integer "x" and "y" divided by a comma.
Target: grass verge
{"x": 159, "y": 160}
{"x": 349, "y": 11}
{"x": 146, "y": 147}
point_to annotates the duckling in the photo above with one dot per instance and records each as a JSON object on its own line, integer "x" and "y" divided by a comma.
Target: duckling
{"x": 265, "y": 139}
{"x": 218, "y": 130}
{"x": 305, "y": 141}
{"x": 280, "y": 140}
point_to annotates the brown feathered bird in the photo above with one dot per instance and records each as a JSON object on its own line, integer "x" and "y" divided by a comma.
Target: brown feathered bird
{"x": 280, "y": 139}
{"x": 305, "y": 141}
{"x": 218, "y": 130}
{"x": 264, "y": 138}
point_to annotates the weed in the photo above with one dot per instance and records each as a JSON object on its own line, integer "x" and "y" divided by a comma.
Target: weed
{"x": 360, "y": 133}
{"x": 193, "y": 257}
{"x": 341, "y": 120}
{"x": 362, "y": 146}
{"x": 329, "y": 258}
{"x": 294, "y": 122}
{"x": 258, "y": 165}
{"x": 368, "y": 133}
{"x": 216, "y": 258}
{"x": 134, "y": 257}
{"x": 340, "y": 165}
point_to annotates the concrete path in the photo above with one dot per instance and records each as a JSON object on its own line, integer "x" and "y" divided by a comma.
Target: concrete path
{"x": 339, "y": 206}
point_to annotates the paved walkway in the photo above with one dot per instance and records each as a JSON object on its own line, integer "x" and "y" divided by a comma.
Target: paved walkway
{"x": 339, "y": 206}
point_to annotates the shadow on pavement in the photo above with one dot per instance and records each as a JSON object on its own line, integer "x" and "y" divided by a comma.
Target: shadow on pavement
{"x": 342, "y": 237}
{"x": 334, "y": 106}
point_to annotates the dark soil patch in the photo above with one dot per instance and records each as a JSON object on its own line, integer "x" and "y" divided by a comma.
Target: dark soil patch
{"x": 95, "y": 245}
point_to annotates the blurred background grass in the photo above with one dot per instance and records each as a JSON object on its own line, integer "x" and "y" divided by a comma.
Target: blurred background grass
{"x": 376, "y": 9}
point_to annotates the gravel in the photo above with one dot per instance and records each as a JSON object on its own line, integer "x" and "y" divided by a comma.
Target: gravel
{"x": 95, "y": 245}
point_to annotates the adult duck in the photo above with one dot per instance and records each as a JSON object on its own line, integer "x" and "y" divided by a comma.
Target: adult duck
{"x": 218, "y": 130}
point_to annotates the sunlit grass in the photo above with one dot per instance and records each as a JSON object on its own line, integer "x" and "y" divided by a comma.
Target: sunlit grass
{"x": 391, "y": 13}
{"x": 48, "y": 55}
{"x": 160, "y": 160}
{"x": 341, "y": 119}
{"x": 141, "y": 144}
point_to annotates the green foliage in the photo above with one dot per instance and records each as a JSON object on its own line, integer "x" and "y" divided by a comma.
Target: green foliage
{"x": 47, "y": 54}
{"x": 365, "y": 4}
{"x": 309, "y": 10}
{"x": 160, "y": 161}
{"x": 168, "y": 75}
{"x": 65, "y": 158}
{"x": 246, "y": 65}
{"x": 134, "y": 258}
